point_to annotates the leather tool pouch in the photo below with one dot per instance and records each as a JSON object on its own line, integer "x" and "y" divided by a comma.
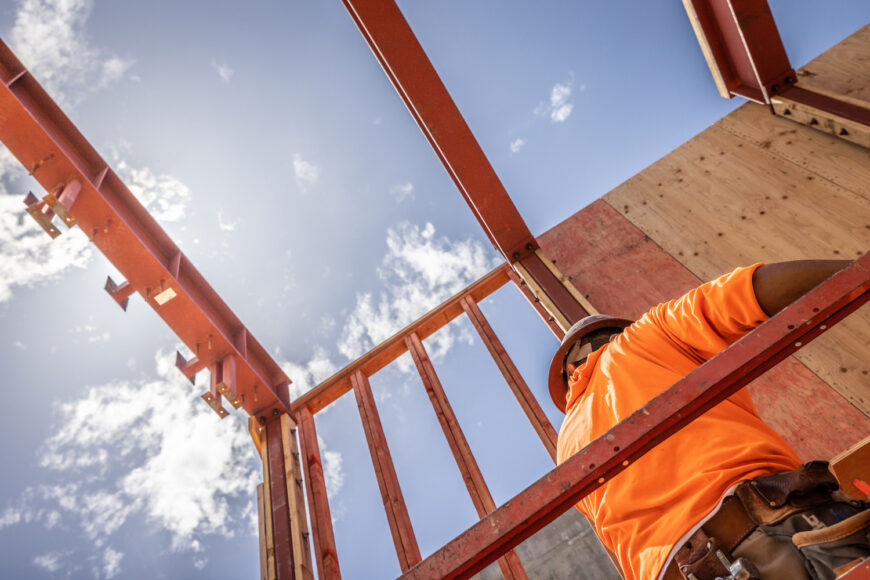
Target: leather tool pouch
{"x": 805, "y": 508}
{"x": 698, "y": 558}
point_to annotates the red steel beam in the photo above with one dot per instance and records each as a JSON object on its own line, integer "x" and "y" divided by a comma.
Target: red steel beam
{"x": 510, "y": 565}
{"x": 394, "y": 503}
{"x": 52, "y": 149}
{"x": 742, "y": 46}
{"x": 688, "y": 398}
{"x": 397, "y": 49}
{"x": 284, "y": 564}
{"x": 318, "y": 503}
{"x": 512, "y": 376}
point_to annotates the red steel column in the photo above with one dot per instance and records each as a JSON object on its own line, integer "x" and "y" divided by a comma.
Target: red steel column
{"x": 510, "y": 565}
{"x": 513, "y": 377}
{"x": 284, "y": 564}
{"x": 318, "y": 503}
{"x": 394, "y": 503}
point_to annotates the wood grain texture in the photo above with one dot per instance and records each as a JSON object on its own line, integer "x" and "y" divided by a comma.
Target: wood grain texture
{"x": 625, "y": 273}
{"x": 827, "y": 157}
{"x": 719, "y": 201}
{"x": 843, "y": 69}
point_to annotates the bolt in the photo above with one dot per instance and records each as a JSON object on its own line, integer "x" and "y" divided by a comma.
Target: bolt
{"x": 789, "y": 80}
{"x": 774, "y": 88}
{"x": 275, "y": 412}
{"x": 262, "y": 420}
{"x": 530, "y": 246}
{"x": 516, "y": 255}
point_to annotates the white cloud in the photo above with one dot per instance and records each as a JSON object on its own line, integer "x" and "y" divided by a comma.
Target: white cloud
{"x": 111, "y": 563}
{"x": 164, "y": 196}
{"x": 333, "y": 474}
{"x": 114, "y": 70}
{"x": 50, "y": 39}
{"x": 517, "y": 144}
{"x": 306, "y": 173}
{"x": 226, "y": 226}
{"x": 306, "y": 376}
{"x": 170, "y": 458}
{"x": 28, "y": 256}
{"x": 49, "y": 562}
{"x": 224, "y": 71}
{"x": 402, "y": 192}
{"x": 420, "y": 272}
{"x": 559, "y": 108}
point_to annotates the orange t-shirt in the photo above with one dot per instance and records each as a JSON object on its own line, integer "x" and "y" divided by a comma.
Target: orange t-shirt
{"x": 644, "y": 511}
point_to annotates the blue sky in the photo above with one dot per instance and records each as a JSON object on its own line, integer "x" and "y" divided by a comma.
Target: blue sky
{"x": 267, "y": 141}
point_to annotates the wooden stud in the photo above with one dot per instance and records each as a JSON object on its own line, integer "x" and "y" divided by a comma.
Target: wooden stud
{"x": 262, "y": 524}
{"x": 404, "y": 539}
{"x": 561, "y": 321}
{"x": 298, "y": 517}
{"x": 822, "y": 120}
{"x": 383, "y": 354}
{"x": 512, "y": 376}
{"x": 318, "y": 502}
{"x": 510, "y": 566}
{"x": 271, "y": 573}
{"x": 281, "y": 526}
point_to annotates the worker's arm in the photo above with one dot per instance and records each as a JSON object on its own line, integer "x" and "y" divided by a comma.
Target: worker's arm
{"x": 779, "y": 284}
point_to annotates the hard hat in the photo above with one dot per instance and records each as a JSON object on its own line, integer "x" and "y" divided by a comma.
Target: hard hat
{"x": 556, "y": 378}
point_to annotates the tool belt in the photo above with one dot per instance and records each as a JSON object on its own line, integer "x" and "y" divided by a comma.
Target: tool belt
{"x": 802, "y": 509}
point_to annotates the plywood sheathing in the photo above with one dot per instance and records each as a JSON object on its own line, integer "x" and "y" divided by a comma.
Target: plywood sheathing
{"x": 624, "y": 272}
{"x": 843, "y": 69}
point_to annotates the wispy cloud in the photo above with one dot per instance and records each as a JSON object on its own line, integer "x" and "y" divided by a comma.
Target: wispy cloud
{"x": 402, "y": 192}
{"x": 150, "y": 448}
{"x": 225, "y": 72}
{"x": 111, "y": 563}
{"x": 49, "y": 37}
{"x": 420, "y": 271}
{"x": 226, "y": 226}
{"x": 50, "y": 562}
{"x": 306, "y": 173}
{"x": 559, "y": 107}
{"x": 517, "y": 144}
{"x": 163, "y": 195}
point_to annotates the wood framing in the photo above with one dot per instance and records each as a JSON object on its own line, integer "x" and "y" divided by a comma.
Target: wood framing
{"x": 512, "y": 376}
{"x": 402, "y": 531}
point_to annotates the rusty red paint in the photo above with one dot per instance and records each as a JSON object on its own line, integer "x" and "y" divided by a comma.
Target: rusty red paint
{"x": 283, "y": 539}
{"x": 318, "y": 503}
{"x": 404, "y": 538}
{"x": 859, "y": 572}
{"x": 732, "y": 369}
{"x": 553, "y": 288}
{"x": 396, "y": 47}
{"x": 512, "y": 376}
{"x": 47, "y": 143}
{"x": 746, "y": 46}
{"x": 510, "y": 566}
{"x": 829, "y": 104}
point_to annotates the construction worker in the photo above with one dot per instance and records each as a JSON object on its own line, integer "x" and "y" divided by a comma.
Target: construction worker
{"x": 723, "y": 497}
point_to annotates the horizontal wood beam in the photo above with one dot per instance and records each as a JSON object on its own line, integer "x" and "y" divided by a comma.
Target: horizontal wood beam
{"x": 383, "y": 354}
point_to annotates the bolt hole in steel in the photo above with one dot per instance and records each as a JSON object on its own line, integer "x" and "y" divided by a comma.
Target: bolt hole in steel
{"x": 790, "y": 326}
{"x": 616, "y": 448}
{"x": 591, "y": 466}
